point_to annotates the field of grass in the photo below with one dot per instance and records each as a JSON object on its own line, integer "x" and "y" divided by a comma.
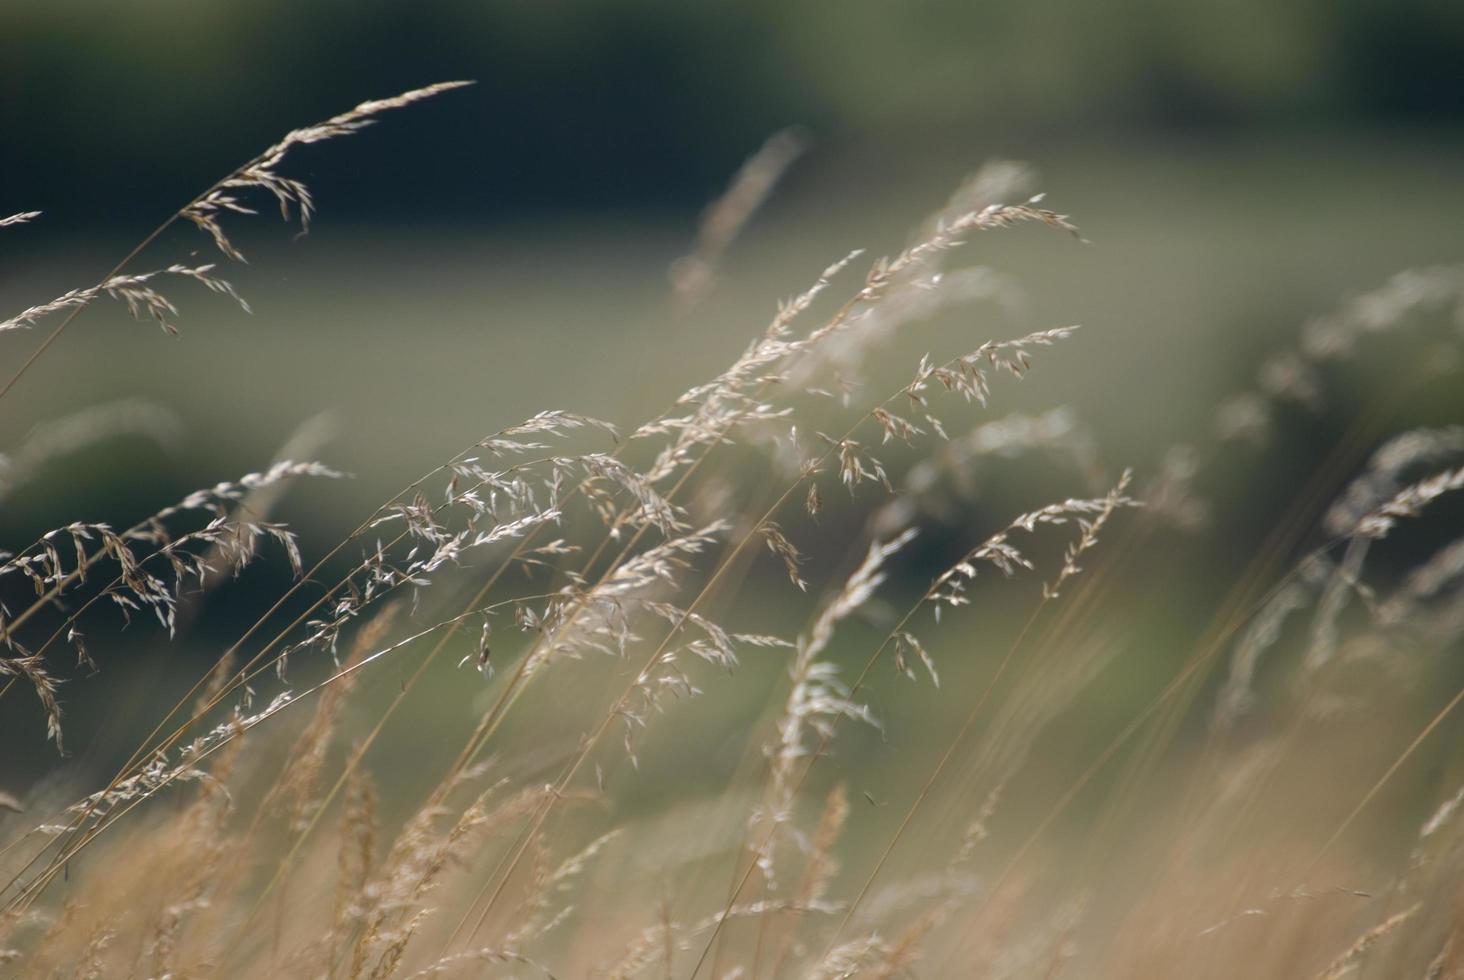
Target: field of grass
{"x": 668, "y": 694}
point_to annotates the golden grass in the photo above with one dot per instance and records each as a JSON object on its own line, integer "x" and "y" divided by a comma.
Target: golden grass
{"x": 606, "y": 578}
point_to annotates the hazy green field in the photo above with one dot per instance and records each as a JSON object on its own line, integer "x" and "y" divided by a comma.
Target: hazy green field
{"x": 1205, "y": 254}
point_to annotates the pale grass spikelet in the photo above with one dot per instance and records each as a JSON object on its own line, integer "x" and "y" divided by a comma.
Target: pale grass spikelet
{"x": 294, "y": 791}
{"x": 998, "y": 550}
{"x": 179, "y": 558}
{"x": 979, "y": 829}
{"x": 33, "y": 670}
{"x": 726, "y": 395}
{"x": 484, "y": 651}
{"x": 1237, "y": 697}
{"x": 262, "y": 172}
{"x": 1346, "y": 578}
{"x": 496, "y": 507}
{"x": 663, "y": 673}
{"x": 941, "y": 484}
{"x": 895, "y": 427}
{"x": 950, "y": 233}
{"x": 779, "y": 545}
{"x": 598, "y": 618}
{"x": 1409, "y": 502}
{"x": 967, "y": 375}
{"x": 715, "y": 645}
{"x": 851, "y": 959}
{"x": 555, "y": 422}
{"x": 789, "y": 310}
{"x": 555, "y": 886}
{"x": 393, "y": 904}
{"x": 856, "y": 465}
{"x": 1171, "y": 496}
{"x": 693, "y": 275}
{"x": 993, "y": 182}
{"x": 879, "y": 320}
{"x": 653, "y": 509}
{"x": 1384, "y": 309}
{"x": 152, "y": 777}
{"x": 224, "y": 493}
{"x": 1244, "y": 418}
{"x": 1287, "y": 377}
{"x": 1090, "y": 529}
{"x": 857, "y": 590}
{"x": 256, "y": 505}
{"x": 907, "y": 643}
{"x": 135, "y": 290}
{"x": 816, "y": 700}
{"x": 821, "y": 867}
{"x": 1295, "y": 374}
{"x": 19, "y": 219}
{"x": 1442, "y": 816}
{"x": 1347, "y": 961}
{"x": 1386, "y": 469}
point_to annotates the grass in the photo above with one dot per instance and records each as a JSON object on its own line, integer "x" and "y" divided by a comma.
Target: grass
{"x": 831, "y": 667}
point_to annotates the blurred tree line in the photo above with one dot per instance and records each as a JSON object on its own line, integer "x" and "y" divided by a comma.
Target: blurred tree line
{"x": 111, "y": 110}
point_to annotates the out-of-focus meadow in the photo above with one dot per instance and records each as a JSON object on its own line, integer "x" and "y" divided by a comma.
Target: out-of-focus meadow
{"x": 506, "y": 249}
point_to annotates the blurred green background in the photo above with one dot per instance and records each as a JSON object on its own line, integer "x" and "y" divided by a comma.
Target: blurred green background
{"x": 1238, "y": 167}
{"x": 639, "y": 107}
{"x": 1246, "y": 164}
